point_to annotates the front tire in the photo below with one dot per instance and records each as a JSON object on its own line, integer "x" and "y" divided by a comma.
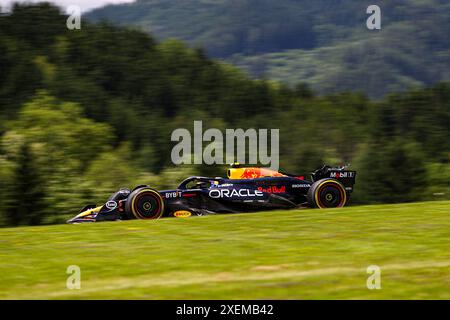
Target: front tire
{"x": 327, "y": 193}
{"x": 145, "y": 204}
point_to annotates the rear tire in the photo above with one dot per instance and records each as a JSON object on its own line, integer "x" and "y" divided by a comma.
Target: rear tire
{"x": 144, "y": 203}
{"x": 327, "y": 193}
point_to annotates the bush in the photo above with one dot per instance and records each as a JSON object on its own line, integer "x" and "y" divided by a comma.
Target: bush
{"x": 438, "y": 181}
{"x": 391, "y": 172}
{"x": 26, "y": 196}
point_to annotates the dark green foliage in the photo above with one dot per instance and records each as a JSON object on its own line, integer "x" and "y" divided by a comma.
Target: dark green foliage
{"x": 26, "y": 198}
{"x": 392, "y": 172}
{"x": 246, "y": 26}
{"x": 421, "y": 115}
{"x": 322, "y": 42}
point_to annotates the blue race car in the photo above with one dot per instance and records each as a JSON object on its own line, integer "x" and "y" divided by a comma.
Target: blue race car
{"x": 246, "y": 189}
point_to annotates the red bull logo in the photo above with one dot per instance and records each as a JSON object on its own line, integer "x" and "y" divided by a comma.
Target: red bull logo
{"x": 273, "y": 189}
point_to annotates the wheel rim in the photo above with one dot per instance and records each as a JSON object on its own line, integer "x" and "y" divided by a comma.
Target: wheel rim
{"x": 330, "y": 195}
{"x": 147, "y": 205}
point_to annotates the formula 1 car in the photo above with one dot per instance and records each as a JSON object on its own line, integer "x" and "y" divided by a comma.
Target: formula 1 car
{"x": 247, "y": 189}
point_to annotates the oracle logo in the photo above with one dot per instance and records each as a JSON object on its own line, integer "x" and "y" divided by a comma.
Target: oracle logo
{"x": 229, "y": 193}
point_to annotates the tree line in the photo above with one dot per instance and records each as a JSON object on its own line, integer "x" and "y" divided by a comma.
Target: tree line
{"x": 322, "y": 42}
{"x": 86, "y": 112}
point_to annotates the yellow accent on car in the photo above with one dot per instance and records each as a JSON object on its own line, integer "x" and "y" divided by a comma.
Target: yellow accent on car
{"x": 88, "y": 212}
{"x": 182, "y": 214}
{"x": 251, "y": 173}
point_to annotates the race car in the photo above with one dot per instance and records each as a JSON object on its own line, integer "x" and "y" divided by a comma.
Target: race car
{"x": 246, "y": 189}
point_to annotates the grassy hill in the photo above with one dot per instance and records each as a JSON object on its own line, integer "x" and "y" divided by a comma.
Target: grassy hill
{"x": 324, "y": 43}
{"x": 279, "y": 255}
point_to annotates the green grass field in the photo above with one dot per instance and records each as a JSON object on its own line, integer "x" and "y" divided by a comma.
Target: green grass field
{"x": 300, "y": 254}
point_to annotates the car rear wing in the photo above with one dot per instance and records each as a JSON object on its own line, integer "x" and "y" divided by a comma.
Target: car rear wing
{"x": 346, "y": 177}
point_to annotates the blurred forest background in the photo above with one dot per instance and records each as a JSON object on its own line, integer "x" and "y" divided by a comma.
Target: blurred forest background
{"x": 85, "y": 112}
{"x": 324, "y": 43}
